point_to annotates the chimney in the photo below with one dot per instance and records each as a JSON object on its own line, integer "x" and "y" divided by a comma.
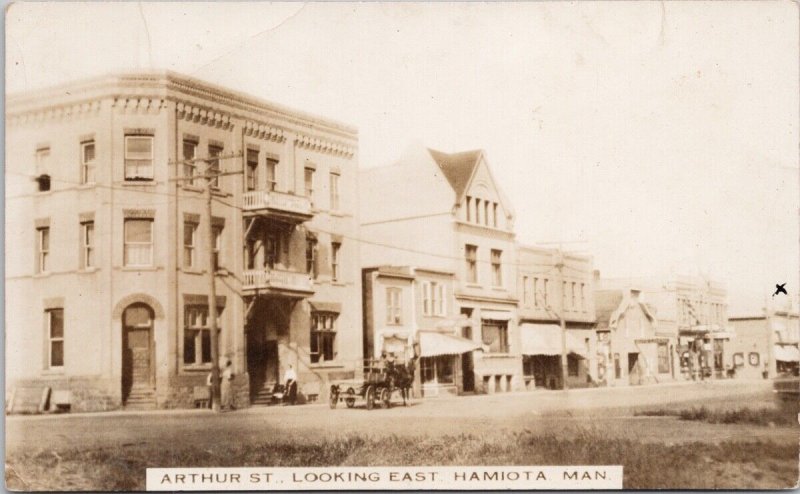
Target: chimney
{"x": 635, "y": 294}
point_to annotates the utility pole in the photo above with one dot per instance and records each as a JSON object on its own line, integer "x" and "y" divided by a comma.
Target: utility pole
{"x": 559, "y": 264}
{"x": 210, "y": 174}
{"x": 212, "y": 297}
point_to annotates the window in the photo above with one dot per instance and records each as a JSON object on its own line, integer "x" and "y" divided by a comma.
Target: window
{"x": 574, "y": 299}
{"x": 497, "y": 267}
{"x": 335, "y": 191}
{"x": 271, "y": 251}
{"x": 87, "y": 162}
{"x": 55, "y": 338}
{"x": 251, "y": 178}
{"x": 335, "y": 247}
{"x": 663, "y": 358}
{"x": 472, "y": 263}
{"x": 546, "y": 295}
{"x": 469, "y": 206}
{"x": 495, "y": 336}
{"x": 486, "y": 213}
{"x": 87, "y": 244}
{"x": 138, "y": 242}
{"x": 43, "y": 179}
{"x": 138, "y": 157}
{"x": 189, "y": 164}
{"x": 477, "y": 211}
{"x": 309, "y": 181}
{"x": 217, "y": 232}
{"x": 438, "y": 370}
{"x": 433, "y": 298}
{"x": 536, "y": 292}
{"x": 394, "y": 306}
{"x": 197, "y": 336}
{"x": 526, "y": 292}
{"x": 564, "y": 300}
{"x": 323, "y": 336}
{"x": 311, "y": 257}
{"x": 250, "y": 254}
{"x": 213, "y": 170}
{"x": 189, "y": 245}
{"x": 42, "y": 249}
{"x": 272, "y": 174}
{"x": 583, "y": 297}
{"x": 494, "y": 215}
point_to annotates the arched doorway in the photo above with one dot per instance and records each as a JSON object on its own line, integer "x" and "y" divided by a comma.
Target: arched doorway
{"x": 138, "y": 376}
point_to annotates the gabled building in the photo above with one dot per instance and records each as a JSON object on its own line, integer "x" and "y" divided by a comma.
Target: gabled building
{"x": 107, "y": 242}
{"x": 445, "y": 212}
{"x": 631, "y": 350}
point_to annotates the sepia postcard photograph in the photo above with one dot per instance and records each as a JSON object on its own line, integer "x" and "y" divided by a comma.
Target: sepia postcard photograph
{"x": 304, "y": 246}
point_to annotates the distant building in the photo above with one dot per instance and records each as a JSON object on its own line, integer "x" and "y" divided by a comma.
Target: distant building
{"x": 445, "y": 212}
{"x": 631, "y": 348}
{"x": 691, "y": 313}
{"x": 766, "y": 343}
{"x": 545, "y": 293}
{"x": 106, "y": 293}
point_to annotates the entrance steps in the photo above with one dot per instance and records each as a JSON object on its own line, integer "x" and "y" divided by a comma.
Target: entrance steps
{"x": 141, "y": 399}
{"x": 264, "y": 395}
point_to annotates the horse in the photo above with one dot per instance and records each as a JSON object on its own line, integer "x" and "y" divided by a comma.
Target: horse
{"x": 402, "y": 377}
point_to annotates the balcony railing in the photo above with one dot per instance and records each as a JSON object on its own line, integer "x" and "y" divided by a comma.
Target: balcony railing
{"x": 277, "y": 279}
{"x": 278, "y": 202}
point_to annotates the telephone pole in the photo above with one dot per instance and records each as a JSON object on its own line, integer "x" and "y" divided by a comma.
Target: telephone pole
{"x": 212, "y": 298}
{"x": 559, "y": 264}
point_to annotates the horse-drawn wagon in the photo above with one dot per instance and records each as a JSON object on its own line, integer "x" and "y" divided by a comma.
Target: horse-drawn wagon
{"x": 382, "y": 380}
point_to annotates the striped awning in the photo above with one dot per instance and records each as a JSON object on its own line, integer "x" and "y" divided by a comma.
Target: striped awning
{"x": 432, "y": 344}
{"x": 545, "y": 339}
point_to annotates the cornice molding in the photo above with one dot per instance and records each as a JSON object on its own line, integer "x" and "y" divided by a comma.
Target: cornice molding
{"x": 203, "y": 115}
{"x": 138, "y": 105}
{"x": 264, "y": 131}
{"x": 315, "y": 143}
{"x": 67, "y": 111}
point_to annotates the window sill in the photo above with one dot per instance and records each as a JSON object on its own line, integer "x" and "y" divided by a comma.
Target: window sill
{"x": 140, "y": 268}
{"x": 338, "y": 283}
{"x": 193, "y": 271}
{"x": 219, "y": 193}
{"x": 192, "y": 188}
{"x": 86, "y": 186}
{"x": 326, "y": 365}
{"x": 139, "y": 183}
{"x": 473, "y": 285}
{"x": 53, "y": 371}
{"x": 88, "y": 270}
{"x": 498, "y": 288}
{"x": 337, "y": 213}
{"x": 46, "y": 274}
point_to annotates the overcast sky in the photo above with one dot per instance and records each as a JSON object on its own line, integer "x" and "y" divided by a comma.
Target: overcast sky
{"x": 664, "y": 136}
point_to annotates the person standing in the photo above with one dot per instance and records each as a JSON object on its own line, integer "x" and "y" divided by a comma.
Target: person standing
{"x": 290, "y": 388}
{"x": 226, "y": 377}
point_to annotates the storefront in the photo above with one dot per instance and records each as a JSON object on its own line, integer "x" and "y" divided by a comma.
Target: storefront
{"x": 787, "y": 357}
{"x": 440, "y": 357}
{"x": 701, "y": 352}
{"x": 541, "y": 356}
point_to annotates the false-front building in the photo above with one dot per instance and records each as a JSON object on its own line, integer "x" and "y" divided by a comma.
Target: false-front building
{"x": 109, "y": 244}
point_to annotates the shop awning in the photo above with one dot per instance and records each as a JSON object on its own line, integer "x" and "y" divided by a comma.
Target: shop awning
{"x": 786, "y": 353}
{"x": 432, "y": 344}
{"x": 545, "y": 339}
{"x": 496, "y": 315}
{"x": 325, "y": 306}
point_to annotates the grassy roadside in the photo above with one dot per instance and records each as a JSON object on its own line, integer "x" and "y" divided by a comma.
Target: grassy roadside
{"x": 731, "y": 464}
{"x": 754, "y": 416}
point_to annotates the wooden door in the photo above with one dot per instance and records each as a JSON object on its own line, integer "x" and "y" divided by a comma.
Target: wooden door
{"x": 137, "y": 349}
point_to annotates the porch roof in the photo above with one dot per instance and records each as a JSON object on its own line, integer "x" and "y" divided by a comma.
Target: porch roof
{"x": 432, "y": 344}
{"x": 545, "y": 339}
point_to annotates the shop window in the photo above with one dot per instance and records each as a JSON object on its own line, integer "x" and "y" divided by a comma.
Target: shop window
{"x": 573, "y": 364}
{"x": 495, "y": 335}
{"x": 323, "y": 336}
{"x": 438, "y": 370}
{"x": 197, "y": 336}
{"x": 663, "y": 358}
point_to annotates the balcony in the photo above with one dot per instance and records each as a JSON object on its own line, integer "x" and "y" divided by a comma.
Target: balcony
{"x": 278, "y": 205}
{"x": 278, "y": 282}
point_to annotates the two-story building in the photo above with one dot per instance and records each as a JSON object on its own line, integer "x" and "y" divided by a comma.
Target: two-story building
{"x": 445, "y": 212}
{"x": 552, "y": 285}
{"x": 107, "y": 257}
{"x": 410, "y": 313}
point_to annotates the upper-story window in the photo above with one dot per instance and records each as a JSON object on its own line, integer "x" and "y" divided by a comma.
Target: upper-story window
{"x": 308, "y": 181}
{"x": 189, "y": 163}
{"x": 477, "y": 211}
{"x": 564, "y": 295}
{"x": 536, "y": 292}
{"x": 251, "y": 171}
{"x": 87, "y": 245}
{"x": 138, "y": 249}
{"x": 42, "y": 249}
{"x": 335, "y": 205}
{"x": 311, "y": 257}
{"x": 486, "y": 209}
{"x": 526, "y": 292}
{"x": 271, "y": 250}
{"x": 469, "y": 208}
{"x": 335, "y": 260}
{"x": 189, "y": 245}
{"x": 494, "y": 215}
{"x": 497, "y": 267}
{"x": 42, "y": 168}
{"x": 394, "y": 306}
{"x": 433, "y": 299}
{"x": 138, "y": 157}
{"x": 272, "y": 173}
{"x": 213, "y": 169}
{"x": 472, "y": 263}
{"x": 87, "y": 162}
{"x": 216, "y": 254}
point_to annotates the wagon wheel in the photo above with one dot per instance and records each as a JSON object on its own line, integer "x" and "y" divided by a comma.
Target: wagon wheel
{"x": 370, "y": 396}
{"x": 386, "y": 398}
{"x": 334, "y": 398}
{"x": 350, "y": 401}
